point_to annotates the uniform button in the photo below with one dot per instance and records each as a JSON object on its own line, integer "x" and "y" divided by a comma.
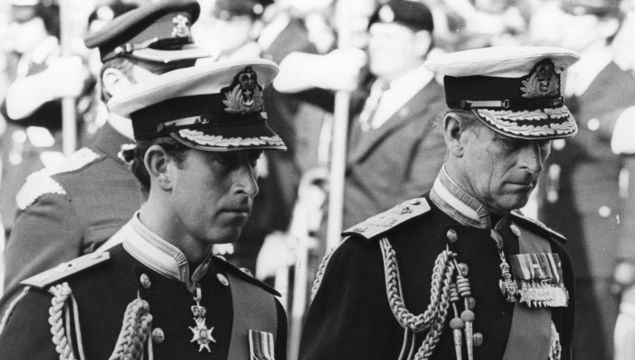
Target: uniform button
{"x": 463, "y": 269}
{"x": 157, "y": 335}
{"x": 478, "y": 339}
{"x": 415, "y": 202}
{"x": 593, "y": 124}
{"x": 558, "y": 144}
{"x": 515, "y": 230}
{"x": 452, "y": 236}
{"x": 604, "y": 211}
{"x": 222, "y": 279}
{"x": 145, "y": 281}
{"x": 246, "y": 271}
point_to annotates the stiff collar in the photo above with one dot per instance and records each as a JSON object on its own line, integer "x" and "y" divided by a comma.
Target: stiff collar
{"x": 458, "y": 204}
{"x": 161, "y": 256}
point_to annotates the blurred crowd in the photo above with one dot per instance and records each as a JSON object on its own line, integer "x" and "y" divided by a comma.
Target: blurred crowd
{"x": 327, "y": 46}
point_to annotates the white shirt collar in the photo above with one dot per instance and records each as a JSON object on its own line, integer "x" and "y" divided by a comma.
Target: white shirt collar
{"x": 401, "y": 90}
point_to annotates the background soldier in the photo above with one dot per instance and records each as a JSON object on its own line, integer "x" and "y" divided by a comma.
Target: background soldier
{"x": 586, "y": 179}
{"x": 502, "y": 285}
{"x": 199, "y": 133}
{"x": 71, "y": 209}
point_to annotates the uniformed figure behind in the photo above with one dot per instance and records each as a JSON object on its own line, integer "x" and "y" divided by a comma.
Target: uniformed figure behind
{"x": 459, "y": 273}
{"x": 161, "y": 293}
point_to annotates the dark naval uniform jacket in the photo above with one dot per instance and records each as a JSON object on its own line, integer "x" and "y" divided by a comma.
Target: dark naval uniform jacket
{"x": 142, "y": 298}
{"x": 360, "y": 311}
{"x": 70, "y": 211}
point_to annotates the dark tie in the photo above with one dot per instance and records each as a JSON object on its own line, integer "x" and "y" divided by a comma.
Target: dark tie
{"x": 371, "y": 105}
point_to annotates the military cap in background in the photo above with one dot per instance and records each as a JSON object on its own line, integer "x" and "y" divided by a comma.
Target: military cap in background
{"x": 413, "y": 14}
{"x": 226, "y": 9}
{"x": 592, "y": 7}
{"x": 105, "y": 13}
{"x": 211, "y": 107}
{"x": 150, "y": 32}
{"x": 515, "y": 91}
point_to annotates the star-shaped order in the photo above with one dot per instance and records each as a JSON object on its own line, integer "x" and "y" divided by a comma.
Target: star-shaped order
{"x": 201, "y": 334}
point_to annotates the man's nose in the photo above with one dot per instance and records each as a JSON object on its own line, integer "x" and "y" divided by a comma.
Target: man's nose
{"x": 246, "y": 179}
{"x": 531, "y": 158}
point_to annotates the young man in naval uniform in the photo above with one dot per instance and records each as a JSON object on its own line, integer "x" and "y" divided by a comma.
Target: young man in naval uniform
{"x": 459, "y": 273}
{"x": 161, "y": 294}
{"x": 70, "y": 210}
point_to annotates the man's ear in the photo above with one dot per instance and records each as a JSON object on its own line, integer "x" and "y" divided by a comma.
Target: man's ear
{"x": 113, "y": 79}
{"x": 156, "y": 161}
{"x": 422, "y": 42}
{"x": 609, "y": 27}
{"x": 452, "y": 133}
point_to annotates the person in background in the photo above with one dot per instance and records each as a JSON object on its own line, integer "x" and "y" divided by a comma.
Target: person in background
{"x": 585, "y": 178}
{"x": 72, "y": 209}
{"x": 32, "y": 105}
{"x": 399, "y": 113}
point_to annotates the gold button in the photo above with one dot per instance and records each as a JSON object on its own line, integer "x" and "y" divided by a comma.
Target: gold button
{"x": 222, "y": 279}
{"x": 452, "y": 236}
{"x": 604, "y": 211}
{"x": 157, "y": 335}
{"x": 415, "y": 202}
{"x": 145, "y": 281}
{"x": 478, "y": 339}
{"x": 463, "y": 269}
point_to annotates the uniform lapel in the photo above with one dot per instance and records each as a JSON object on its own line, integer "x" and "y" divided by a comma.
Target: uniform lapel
{"x": 363, "y": 142}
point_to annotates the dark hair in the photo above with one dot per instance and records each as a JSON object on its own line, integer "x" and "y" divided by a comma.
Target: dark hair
{"x": 135, "y": 157}
{"x": 125, "y": 65}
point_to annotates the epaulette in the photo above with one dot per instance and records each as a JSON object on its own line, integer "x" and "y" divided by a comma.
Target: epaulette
{"x": 244, "y": 274}
{"x": 537, "y": 226}
{"x": 41, "y": 182}
{"x": 389, "y": 219}
{"x": 49, "y": 277}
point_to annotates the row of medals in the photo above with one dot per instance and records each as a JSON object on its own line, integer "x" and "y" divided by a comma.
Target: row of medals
{"x": 535, "y": 293}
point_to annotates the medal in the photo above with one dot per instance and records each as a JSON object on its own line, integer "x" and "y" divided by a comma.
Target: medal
{"x": 507, "y": 285}
{"x": 200, "y": 333}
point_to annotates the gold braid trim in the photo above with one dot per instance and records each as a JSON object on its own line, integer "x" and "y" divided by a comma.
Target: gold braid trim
{"x": 134, "y": 332}
{"x": 57, "y": 311}
{"x": 320, "y": 273}
{"x": 433, "y": 319}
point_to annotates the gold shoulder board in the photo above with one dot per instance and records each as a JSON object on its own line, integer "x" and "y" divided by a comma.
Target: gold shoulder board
{"x": 389, "y": 219}
{"x": 66, "y": 269}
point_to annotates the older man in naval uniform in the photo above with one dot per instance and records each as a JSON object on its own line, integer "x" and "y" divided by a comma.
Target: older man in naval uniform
{"x": 459, "y": 273}
{"x": 161, "y": 293}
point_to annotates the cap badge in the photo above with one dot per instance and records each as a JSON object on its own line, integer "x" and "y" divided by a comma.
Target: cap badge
{"x": 181, "y": 26}
{"x": 543, "y": 81}
{"x": 386, "y": 14}
{"x": 244, "y": 95}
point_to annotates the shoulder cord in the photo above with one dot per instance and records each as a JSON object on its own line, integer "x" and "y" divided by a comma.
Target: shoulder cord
{"x": 320, "y": 273}
{"x": 61, "y": 328}
{"x": 12, "y": 305}
{"x": 134, "y": 332}
{"x": 434, "y": 317}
